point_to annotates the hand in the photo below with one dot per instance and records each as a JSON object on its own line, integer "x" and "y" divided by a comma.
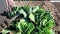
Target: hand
{"x": 10, "y": 3}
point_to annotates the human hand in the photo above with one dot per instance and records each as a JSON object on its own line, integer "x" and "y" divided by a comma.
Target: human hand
{"x": 10, "y": 3}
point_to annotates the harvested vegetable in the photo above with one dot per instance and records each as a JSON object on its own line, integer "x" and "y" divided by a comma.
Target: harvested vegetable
{"x": 33, "y": 20}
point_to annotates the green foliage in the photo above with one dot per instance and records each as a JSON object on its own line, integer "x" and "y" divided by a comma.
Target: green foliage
{"x": 35, "y": 20}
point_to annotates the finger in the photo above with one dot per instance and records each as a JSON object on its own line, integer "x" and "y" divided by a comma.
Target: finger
{"x": 3, "y": 25}
{"x": 0, "y": 28}
{"x": 6, "y": 21}
{"x": 11, "y": 3}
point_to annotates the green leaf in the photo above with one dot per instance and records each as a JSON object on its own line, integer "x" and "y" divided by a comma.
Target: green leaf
{"x": 10, "y": 15}
{"x": 18, "y": 8}
{"x": 22, "y": 25}
{"x": 49, "y": 31}
{"x": 40, "y": 31}
{"x": 14, "y": 12}
{"x": 50, "y": 23}
{"x": 19, "y": 27}
{"x": 41, "y": 11}
{"x": 32, "y": 18}
{"x": 26, "y": 8}
{"x": 22, "y": 12}
{"x": 14, "y": 8}
{"x": 35, "y": 8}
{"x": 43, "y": 22}
{"x": 36, "y": 18}
{"x": 48, "y": 16}
{"x": 36, "y": 33}
{"x": 30, "y": 10}
{"x": 30, "y": 28}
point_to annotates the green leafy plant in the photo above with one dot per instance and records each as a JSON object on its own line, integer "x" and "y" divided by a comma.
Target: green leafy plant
{"x": 33, "y": 20}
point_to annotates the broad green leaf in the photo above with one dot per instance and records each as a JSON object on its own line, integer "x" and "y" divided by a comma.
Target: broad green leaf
{"x": 36, "y": 18}
{"x": 30, "y": 10}
{"x": 26, "y": 8}
{"x": 35, "y": 9}
{"x": 41, "y": 11}
{"x": 48, "y": 16}
{"x": 22, "y": 25}
{"x": 40, "y": 31}
{"x": 22, "y": 12}
{"x": 49, "y": 31}
{"x": 30, "y": 28}
{"x": 43, "y": 22}
{"x": 32, "y": 18}
{"x": 50, "y": 23}
{"x": 52, "y": 32}
{"x": 19, "y": 27}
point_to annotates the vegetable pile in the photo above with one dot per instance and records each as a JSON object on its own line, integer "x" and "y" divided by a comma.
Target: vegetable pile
{"x": 32, "y": 20}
